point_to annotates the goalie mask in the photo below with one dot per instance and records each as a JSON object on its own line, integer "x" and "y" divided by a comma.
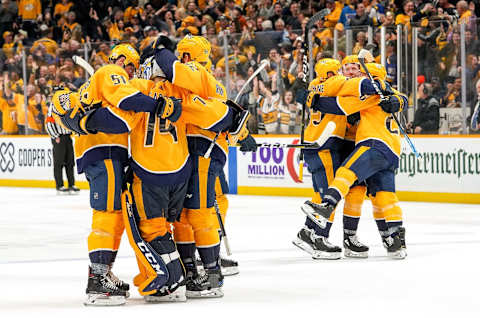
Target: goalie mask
{"x": 149, "y": 69}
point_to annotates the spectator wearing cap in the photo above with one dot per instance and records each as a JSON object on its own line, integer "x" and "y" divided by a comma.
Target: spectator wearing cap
{"x": 189, "y": 26}
{"x": 10, "y": 47}
{"x": 8, "y": 15}
{"x": 427, "y": 115}
{"x": 62, "y": 7}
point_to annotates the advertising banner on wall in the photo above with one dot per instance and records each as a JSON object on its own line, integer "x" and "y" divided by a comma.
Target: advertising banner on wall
{"x": 448, "y": 170}
{"x": 27, "y": 161}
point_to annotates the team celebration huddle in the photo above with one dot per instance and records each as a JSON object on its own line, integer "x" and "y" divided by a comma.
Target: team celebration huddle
{"x": 152, "y": 136}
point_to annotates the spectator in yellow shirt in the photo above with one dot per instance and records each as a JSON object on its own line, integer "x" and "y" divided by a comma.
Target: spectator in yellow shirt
{"x": 62, "y": 7}
{"x": 30, "y": 10}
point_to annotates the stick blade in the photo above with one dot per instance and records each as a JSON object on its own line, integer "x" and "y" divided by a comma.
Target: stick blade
{"x": 327, "y": 132}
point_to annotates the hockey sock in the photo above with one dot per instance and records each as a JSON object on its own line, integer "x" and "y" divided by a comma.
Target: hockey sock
{"x": 344, "y": 178}
{"x": 332, "y": 196}
{"x": 187, "y": 252}
{"x": 385, "y": 205}
{"x": 99, "y": 269}
{"x": 353, "y": 209}
{"x": 209, "y": 256}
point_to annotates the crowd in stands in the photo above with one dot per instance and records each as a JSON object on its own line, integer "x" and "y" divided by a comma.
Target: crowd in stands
{"x": 50, "y": 32}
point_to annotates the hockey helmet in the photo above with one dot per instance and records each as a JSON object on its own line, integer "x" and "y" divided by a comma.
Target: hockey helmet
{"x": 325, "y": 66}
{"x": 350, "y": 59}
{"x": 377, "y": 70}
{"x": 126, "y": 50}
{"x": 197, "y": 46}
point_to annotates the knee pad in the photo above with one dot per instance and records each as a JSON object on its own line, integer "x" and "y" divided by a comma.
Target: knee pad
{"x": 385, "y": 205}
{"x": 354, "y": 201}
{"x": 107, "y": 230}
{"x": 182, "y": 230}
{"x": 344, "y": 178}
{"x": 204, "y": 226}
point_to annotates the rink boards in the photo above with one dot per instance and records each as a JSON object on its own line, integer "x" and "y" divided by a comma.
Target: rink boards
{"x": 448, "y": 171}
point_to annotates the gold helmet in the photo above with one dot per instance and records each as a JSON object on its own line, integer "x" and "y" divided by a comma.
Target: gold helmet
{"x": 124, "y": 49}
{"x": 197, "y": 46}
{"x": 325, "y": 66}
{"x": 63, "y": 100}
{"x": 377, "y": 70}
{"x": 350, "y": 59}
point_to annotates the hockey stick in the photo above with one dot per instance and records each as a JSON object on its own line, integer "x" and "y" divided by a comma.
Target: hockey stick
{"x": 84, "y": 64}
{"x": 326, "y": 133}
{"x": 311, "y": 22}
{"x": 222, "y": 228}
{"x": 361, "y": 59}
{"x": 263, "y": 64}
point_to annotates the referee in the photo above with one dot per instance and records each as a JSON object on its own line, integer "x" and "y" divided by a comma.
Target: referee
{"x": 62, "y": 155}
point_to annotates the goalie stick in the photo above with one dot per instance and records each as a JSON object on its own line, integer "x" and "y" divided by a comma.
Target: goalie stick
{"x": 361, "y": 58}
{"x": 311, "y": 22}
{"x": 84, "y": 64}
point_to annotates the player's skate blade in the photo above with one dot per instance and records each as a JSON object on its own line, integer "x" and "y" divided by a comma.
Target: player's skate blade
{"x": 179, "y": 295}
{"x": 229, "y": 267}
{"x": 209, "y": 293}
{"x": 349, "y": 253}
{"x": 318, "y": 213}
{"x": 104, "y": 300}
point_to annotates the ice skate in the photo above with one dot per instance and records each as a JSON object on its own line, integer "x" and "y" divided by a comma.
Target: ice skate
{"x": 206, "y": 285}
{"x": 166, "y": 295}
{"x": 118, "y": 282}
{"x": 353, "y": 247}
{"x": 318, "y": 213}
{"x": 394, "y": 248}
{"x": 102, "y": 291}
{"x": 317, "y": 246}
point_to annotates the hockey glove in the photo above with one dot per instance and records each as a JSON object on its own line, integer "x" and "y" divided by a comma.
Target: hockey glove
{"x": 312, "y": 99}
{"x": 387, "y": 90}
{"x": 353, "y": 118}
{"x": 238, "y": 130}
{"x": 391, "y": 104}
{"x": 169, "y": 108}
{"x": 76, "y": 121}
{"x": 248, "y": 144}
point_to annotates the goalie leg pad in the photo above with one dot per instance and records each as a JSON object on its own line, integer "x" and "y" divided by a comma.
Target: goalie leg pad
{"x": 154, "y": 267}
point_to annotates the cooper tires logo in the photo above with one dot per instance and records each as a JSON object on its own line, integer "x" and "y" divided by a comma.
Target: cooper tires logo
{"x": 7, "y": 163}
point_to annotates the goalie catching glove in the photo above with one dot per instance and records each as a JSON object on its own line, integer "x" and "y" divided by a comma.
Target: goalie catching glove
{"x": 238, "y": 132}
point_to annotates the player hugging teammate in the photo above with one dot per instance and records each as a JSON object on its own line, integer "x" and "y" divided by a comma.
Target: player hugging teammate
{"x": 157, "y": 112}
{"x": 342, "y": 168}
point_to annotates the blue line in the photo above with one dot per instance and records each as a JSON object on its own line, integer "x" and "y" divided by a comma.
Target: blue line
{"x": 232, "y": 170}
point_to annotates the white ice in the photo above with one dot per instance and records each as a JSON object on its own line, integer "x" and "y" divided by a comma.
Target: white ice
{"x": 43, "y": 263}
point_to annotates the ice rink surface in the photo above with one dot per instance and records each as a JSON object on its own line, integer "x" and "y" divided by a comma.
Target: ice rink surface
{"x": 43, "y": 263}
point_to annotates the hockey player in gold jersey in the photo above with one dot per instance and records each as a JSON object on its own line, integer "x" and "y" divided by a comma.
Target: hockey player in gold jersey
{"x": 207, "y": 185}
{"x": 374, "y": 160}
{"x": 102, "y": 157}
{"x": 324, "y": 162}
